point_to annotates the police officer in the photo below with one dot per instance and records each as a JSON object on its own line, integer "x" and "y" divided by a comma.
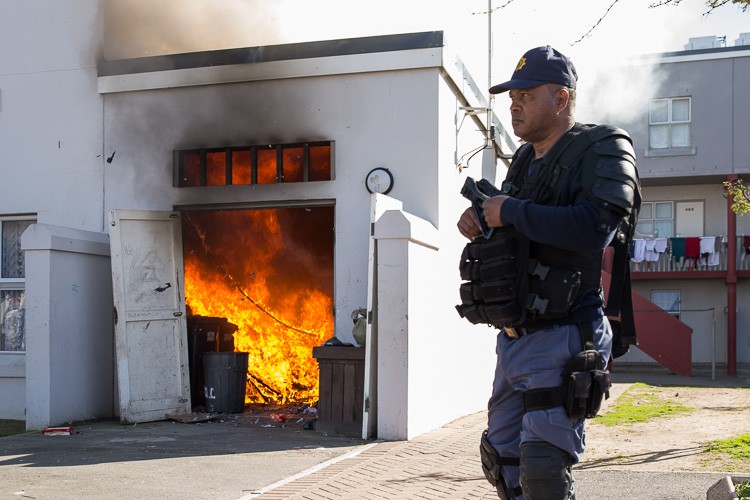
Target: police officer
{"x": 569, "y": 190}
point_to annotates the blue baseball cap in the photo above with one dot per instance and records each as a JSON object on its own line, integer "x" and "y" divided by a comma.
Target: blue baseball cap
{"x": 537, "y": 66}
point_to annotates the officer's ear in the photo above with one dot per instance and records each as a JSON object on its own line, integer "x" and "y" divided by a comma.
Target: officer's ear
{"x": 562, "y": 97}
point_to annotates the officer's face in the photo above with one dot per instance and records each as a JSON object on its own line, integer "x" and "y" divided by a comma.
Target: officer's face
{"x": 534, "y": 111}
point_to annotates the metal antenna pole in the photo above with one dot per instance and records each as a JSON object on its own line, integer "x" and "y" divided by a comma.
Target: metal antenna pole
{"x": 490, "y": 134}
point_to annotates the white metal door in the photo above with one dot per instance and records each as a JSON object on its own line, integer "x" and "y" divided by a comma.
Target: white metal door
{"x": 689, "y": 218}
{"x": 150, "y": 327}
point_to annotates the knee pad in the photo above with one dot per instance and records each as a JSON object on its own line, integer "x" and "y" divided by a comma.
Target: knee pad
{"x": 492, "y": 467}
{"x": 545, "y": 472}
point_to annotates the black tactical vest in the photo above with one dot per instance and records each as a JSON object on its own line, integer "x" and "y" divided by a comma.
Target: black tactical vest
{"x": 512, "y": 281}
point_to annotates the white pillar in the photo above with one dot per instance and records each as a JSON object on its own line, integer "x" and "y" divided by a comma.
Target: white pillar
{"x": 407, "y": 248}
{"x": 69, "y": 331}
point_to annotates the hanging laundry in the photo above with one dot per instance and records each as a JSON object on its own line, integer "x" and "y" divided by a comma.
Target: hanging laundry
{"x": 678, "y": 248}
{"x": 650, "y": 255}
{"x": 638, "y": 252}
{"x": 745, "y": 248}
{"x": 692, "y": 247}
{"x": 678, "y": 252}
{"x": 660, "y": 245}
{"x": 708, "y": 250}
{"x": 692, "y": 251}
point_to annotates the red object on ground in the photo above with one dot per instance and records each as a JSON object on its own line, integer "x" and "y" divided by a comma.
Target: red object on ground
{"x": 58, "y": 431}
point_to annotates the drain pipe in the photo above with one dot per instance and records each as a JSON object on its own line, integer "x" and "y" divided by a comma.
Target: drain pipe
{"x": 731, "y": 285}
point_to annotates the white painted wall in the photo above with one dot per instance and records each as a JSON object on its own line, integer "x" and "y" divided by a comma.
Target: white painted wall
{"x": 13, "y": 385}
{"x": 50, "y": 112}
{"x": 50, "y": 132}
{"x": 69, "y": 345}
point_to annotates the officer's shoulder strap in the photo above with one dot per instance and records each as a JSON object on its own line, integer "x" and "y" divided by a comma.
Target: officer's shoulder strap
{"x": 583, "y": 138}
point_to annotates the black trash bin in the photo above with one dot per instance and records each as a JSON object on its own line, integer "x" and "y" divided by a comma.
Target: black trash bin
{"x": 225, "y": 376}
{"x": 205, "y": 334}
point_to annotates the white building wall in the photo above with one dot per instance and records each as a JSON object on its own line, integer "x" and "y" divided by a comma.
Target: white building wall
{"x": 50, "y": 112}
{"x": 70, "y": 364}
{"x": 50, "y": 132}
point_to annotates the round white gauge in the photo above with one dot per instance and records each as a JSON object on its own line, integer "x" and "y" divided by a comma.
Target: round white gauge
{"x": 379, "y": 180}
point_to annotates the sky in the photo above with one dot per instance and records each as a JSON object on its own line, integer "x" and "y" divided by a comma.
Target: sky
{"x": 630, "y": 28}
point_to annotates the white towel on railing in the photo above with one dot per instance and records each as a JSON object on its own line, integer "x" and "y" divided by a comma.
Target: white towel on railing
{"x": 639, "y": 250}
{"x": 708, "y": 250}
{"x": 651, "y": 255}
{"x": 660, "y": 245}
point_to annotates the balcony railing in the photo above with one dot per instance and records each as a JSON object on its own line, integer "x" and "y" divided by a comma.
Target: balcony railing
{"x": 674, "y": 257}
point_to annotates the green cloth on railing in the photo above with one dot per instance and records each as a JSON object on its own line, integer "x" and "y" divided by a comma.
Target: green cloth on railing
{"x": 678, "y": 248}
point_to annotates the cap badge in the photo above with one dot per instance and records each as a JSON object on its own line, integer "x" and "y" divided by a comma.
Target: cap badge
{"x": 521, "y": 63}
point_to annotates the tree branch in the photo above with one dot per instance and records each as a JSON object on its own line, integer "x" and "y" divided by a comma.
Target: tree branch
{"x": 597, "y": 23}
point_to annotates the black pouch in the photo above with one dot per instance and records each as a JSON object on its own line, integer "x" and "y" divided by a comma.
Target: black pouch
{"x": 558, "y": 287}
{"x": 587, "y": 385}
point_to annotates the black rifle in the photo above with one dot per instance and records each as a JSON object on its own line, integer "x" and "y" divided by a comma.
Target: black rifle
{"x": 476, "y": 193}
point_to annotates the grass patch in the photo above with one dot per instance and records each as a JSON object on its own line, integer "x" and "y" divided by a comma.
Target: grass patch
{"x": 738, "y": 447}
{"x": 10, "y": 427}
{"x": 742, "y": 490}
{"x": 641, "y": 403}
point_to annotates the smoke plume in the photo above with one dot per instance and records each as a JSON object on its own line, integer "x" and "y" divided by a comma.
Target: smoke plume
{"x": 138, "y": 28}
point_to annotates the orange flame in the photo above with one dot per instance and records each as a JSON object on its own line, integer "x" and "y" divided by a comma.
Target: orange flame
{"x": 251, "y": 267}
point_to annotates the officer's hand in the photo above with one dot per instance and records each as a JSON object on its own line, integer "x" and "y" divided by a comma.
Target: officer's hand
{"x": 491, "y": 208}
{"x": 468, "y": 225}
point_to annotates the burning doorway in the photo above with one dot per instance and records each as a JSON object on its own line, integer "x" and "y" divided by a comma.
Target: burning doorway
{"x": 269, "y": 272}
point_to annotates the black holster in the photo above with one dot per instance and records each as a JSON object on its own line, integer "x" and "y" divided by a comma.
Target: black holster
{"x": 587, "y": 384}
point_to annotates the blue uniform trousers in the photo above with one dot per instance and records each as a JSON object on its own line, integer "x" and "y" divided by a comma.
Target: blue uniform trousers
{"x": 532, "y": 361}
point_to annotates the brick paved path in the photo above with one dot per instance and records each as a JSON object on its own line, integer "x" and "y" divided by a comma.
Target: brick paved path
{"x": 443, "y": 463}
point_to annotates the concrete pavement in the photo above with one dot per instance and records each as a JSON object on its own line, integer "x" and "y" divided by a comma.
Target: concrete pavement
{"x": 241, "y": 458}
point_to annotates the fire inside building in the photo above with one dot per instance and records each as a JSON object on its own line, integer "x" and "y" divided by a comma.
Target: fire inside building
{"x": 268, "y": 273}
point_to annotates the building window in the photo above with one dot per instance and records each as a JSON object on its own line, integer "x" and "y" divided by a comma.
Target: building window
{"x": 669, "y": 123}
{"x": 267, "y": 164}
{"x": 669, "y": 300}
{"x": 655, "y": 220}
{"x": 12, "y": 284}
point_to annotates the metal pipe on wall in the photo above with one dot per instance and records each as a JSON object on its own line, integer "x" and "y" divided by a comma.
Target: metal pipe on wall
{"x": 731, "y": 285}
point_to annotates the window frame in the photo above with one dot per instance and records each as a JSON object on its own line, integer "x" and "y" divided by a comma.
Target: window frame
{"x": 653, "y": 219}
{"x": 670, "y": 123}
{"x": 13, "y": 284}
{"x": 194, "y": 168}
{"x": 673, "y": 312}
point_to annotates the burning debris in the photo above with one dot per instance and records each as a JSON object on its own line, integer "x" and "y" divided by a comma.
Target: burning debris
{"x": 270, "y": 273}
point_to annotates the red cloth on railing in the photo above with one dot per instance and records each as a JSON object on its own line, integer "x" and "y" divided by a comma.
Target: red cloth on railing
{"x": 692, "y": 252}
{"x": 692, "y": 248}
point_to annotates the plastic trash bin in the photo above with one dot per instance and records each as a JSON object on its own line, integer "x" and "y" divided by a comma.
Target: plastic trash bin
{"x": 225, "y": 377}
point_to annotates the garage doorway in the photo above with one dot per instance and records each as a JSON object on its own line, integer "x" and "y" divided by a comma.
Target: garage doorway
{"x": 268, "y": 274}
